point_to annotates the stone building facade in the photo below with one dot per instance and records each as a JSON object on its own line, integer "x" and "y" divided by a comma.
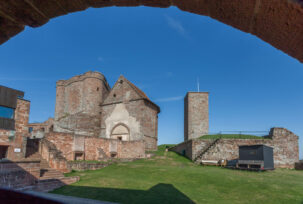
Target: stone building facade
{"x": 128, "y": 114}
{"x": 196, "y": 119}
{"x": 13, "y": 123}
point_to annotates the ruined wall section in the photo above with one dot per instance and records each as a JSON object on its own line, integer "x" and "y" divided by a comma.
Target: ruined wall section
{"x": 37, "y": 130}
{"x": 78, "y": 104}
{"x": 286, "y": 147}
{"x": 284, "y": 142}
{"x": 196, "y": 119}
{"x": 229, "y": 148}
{"x": 95, "y": 148}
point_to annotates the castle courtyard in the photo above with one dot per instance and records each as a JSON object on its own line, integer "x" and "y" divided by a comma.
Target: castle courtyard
{"x": 171, "y": 178}
{"x": 151, "y": 101}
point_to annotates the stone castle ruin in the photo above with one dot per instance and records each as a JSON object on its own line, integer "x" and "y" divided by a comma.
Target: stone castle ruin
{"x": 92, "y": 122}
{"x": 96, "y": 122}
{"x": 197, "y": 148}
{"x": 86, "y": 105}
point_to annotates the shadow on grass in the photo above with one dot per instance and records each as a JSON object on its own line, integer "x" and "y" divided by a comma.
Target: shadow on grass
{"x": 160, "y": 193}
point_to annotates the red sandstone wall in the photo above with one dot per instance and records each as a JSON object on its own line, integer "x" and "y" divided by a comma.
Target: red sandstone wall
{"x": 50, "y": 153}
{"x": 131, "y": 149}
{"x": 94, "y": 148}
{"x": 63, "y": 142}
{"x": 15, "y": 139}
{"x": 78, "y": 104}
{"x": 22, "y": 116}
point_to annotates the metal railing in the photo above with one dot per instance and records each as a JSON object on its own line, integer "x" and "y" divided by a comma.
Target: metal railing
{"x": 237, "y": 134}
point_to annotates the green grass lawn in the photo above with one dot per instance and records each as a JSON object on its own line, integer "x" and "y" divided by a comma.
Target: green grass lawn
{"x": 231, "y": 136}
{"x": 171, "y": 178}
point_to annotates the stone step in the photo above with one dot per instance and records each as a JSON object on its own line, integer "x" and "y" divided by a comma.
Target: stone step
{"x": 44, "y": 164}
{"x": 35, "y": 156}
{"x": 49, "y": 178}
{"x": 47, "y": 173}
{"x": 52, "y": 174}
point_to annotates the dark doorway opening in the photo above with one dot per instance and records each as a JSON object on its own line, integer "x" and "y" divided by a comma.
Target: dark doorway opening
{"x": 32, "y": 147}
{"x": 3, "y": 152}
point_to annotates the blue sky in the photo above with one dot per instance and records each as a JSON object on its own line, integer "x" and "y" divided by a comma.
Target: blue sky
{"x": 252, "y": 85}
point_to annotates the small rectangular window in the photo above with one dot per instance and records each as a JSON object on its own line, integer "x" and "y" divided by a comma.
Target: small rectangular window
{"x": 6, "y": 112}
{"x": 30, "y": 129}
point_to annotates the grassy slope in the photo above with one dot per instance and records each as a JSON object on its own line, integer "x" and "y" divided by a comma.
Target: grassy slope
{"x": 170, "y": 178}
{"x": 231, "y": 136}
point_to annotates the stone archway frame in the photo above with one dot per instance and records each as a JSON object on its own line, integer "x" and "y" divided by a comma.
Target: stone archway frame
{"x": 277, "y": 22}
{"x": 123, "y": 125}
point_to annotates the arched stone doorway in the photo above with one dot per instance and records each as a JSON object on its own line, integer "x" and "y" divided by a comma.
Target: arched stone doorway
{"x": 120, "y": 132}
{"x": 278, "y": 22}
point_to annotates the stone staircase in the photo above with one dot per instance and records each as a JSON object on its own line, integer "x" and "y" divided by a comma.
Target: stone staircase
{"x": 49, "y": 179}
{"x": 35, "y": 156}
{"x": 204, "y": 150}
{"x": 46, "y": 172}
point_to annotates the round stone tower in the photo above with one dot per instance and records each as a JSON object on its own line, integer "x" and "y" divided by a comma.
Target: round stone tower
{"x": 78, "y": 102}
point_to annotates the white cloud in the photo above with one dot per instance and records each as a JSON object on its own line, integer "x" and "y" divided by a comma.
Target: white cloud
{"x": 169, "y": 99}
{"x": 176, "y": 25}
